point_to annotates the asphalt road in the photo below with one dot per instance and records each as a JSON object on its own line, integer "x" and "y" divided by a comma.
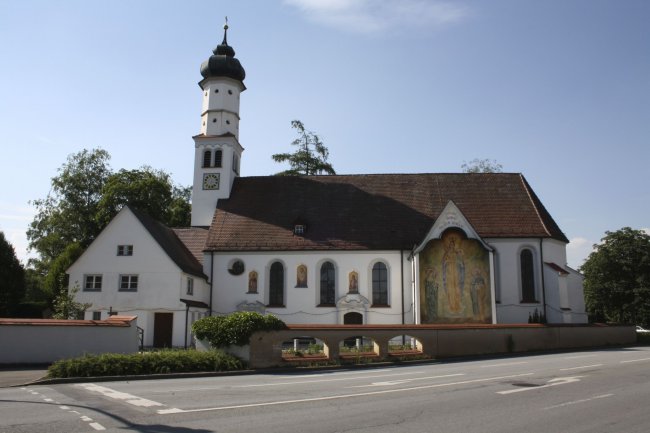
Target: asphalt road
{"x": 590, "y": 391}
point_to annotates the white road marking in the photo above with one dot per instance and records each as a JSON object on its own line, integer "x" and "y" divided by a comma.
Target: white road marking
{"x": 635, "y": 360}
{"x": 582, "y": 366}
{"x": 86, "y": 418}
{"x": 299, "y": 382}
{"x": 584, "y": 400}
{"x": 97, "y": 426}
{"x": 337, "y": 397}
{"x": 552, "y": 382}
{"x": 579, "y": 356}
{"x": 399, "y": 382}
{"x": 64, "y": 407}
{"x": 48, "y": 399}
{"x": 504, "y": 364}
{"x": 117, "y": 395}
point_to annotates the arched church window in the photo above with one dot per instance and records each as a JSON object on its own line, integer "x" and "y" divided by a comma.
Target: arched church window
{"x": 276, "y": 285}
{"x": 207, "y": 158}
{"x": 527, "y": 276}
{"x": 327, "y": 284}
{"x": 379, "y": 284}
{"x": 218, "y": 156}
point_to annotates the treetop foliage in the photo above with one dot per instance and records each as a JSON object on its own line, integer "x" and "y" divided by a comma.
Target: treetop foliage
{"x": 482, "y": 166}
{"x": 311, "y": 156}
{"x": 617, "y": 277}
{"x": 12, "y": 279}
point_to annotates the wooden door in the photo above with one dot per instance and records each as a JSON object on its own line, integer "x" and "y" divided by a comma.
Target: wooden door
{"x": 163, "y": 325}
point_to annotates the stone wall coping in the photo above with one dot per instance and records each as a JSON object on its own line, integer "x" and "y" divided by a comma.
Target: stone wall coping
{"x": 115, "y": 321}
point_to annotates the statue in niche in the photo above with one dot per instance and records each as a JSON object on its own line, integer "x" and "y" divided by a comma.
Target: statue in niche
{"x": 354, "y": 282}
{"x": 252, "y": 282}
{"x": 301, "y": 276}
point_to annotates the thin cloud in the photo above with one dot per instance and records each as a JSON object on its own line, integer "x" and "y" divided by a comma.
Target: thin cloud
{"x": 578, "y": 250}
{"x": 372, "y": 16}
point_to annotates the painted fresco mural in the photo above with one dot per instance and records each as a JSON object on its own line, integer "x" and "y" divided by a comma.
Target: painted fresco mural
{"x": 455, "y": 280}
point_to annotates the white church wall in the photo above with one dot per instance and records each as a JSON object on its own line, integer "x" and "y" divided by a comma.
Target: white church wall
{"x": 301, "y": 303}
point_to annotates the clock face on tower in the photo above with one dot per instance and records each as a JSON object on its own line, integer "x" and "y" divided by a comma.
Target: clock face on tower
{"x": 211, "y": 181}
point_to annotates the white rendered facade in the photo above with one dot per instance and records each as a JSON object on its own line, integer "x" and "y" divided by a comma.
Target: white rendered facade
{"x": 160, "y": 282}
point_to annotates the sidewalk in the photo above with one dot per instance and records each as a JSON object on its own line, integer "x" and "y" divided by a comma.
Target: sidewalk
{"x": 20, "y": 375}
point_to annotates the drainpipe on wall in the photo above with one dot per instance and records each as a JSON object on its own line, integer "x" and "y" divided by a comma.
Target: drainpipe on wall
{"x": 187, "y": 311}
{"x": 401, "y": 265}
{"x": 211, "y": 279}
{"x": 541, "y": 256}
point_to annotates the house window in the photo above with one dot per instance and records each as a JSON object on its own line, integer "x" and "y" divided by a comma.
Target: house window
{"x": 299, "y": 229}
{"x": 327, "y": 284}
{"x": 527, "y": 276}
{"x": 207, "y": 158}
{"x": 97, "y": 315}
{"x": 379, "y": 284}
{"x": 276, "y": 285}
{"x": 125, "y": 250}
{"x": 218, "y": 156}
{"x": 92, "y": 283}
{"x": 128, "y": 283}
{"x": 190, "y": 286}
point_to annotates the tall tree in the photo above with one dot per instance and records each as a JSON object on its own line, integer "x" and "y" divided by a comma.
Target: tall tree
{"x": 617, "y": 277}
{"x": 148, "y": 190}
{"x": 310, "y": 157}
{"x": 482, "y": 166}
{"x": 68, "y": 213}
{"x": 12, "y": 279}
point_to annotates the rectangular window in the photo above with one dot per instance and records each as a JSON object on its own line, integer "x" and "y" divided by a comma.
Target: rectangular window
{"x": 92, "y": 283}
{"x": 190, "y": 286}
{"x": 97, "y": 315}
{"x": 125, "y": 250}
{"x": 128, "y": 283}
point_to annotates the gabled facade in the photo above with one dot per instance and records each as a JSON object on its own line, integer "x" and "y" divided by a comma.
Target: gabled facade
{"x": 139, "y": 267}
{"x": 350, "y": 249}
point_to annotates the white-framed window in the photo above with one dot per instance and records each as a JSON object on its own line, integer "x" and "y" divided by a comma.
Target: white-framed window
{"x": 190, "y": 286}
{"x": 128, "y": 283}
{"x": 92, "y": 283}
{"x": 125, "y": 250}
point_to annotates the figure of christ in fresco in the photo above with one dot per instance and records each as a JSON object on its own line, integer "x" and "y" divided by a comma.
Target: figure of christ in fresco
{"x": 453, "y": 275}
{"x": 354, "y": 282}
{"x": 431, "y": 294}
{"x": 301, "y": 276}
{"x": 252, "y": 282}
{"x": 478, "y": 292}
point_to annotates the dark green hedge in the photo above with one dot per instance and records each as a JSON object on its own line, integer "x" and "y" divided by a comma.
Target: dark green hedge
{"x": 234, "y": 329}
{"x": 165, "y": 361}
{"x": 643, "y": 338}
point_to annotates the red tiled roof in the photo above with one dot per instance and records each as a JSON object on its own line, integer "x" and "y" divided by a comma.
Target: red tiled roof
{"x": 379, "y": 211}
{"x": 194, "y": 239}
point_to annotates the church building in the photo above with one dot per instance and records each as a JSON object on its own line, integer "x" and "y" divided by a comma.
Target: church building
{"x": 437, "y": 248}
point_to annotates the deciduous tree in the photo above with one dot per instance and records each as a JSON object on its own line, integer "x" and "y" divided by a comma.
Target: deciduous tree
{"x": 482, "y": 166}
{"x": 12, "y": 279}
{"x": 617, "y": 277}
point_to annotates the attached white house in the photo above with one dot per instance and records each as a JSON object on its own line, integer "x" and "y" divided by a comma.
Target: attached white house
{"x": 139, "y": 267}
{"x": 439, "y": 248}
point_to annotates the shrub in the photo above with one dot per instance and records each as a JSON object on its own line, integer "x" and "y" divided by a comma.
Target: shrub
{"x": 164, "y": 361}
{"x": 234, "y": 329}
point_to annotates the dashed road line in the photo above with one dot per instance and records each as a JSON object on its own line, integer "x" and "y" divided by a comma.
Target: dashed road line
{"x": 97, "y": 426}
{"x": 302, "y": 382}
{"x": 553, "y": 382}
{"x": 402, "y": 381}
{"x": 580, "y": 367}
{"x": 94, "y": 425}
{"x": 635, "y": 360}
{"x": 584, "y": 400}
{"x": 504, "y": 364}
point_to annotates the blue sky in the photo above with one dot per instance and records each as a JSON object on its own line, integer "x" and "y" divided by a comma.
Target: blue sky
{"x": 558, "y": 90}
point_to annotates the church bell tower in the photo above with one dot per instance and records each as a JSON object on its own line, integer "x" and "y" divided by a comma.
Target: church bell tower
{"x": 217, "y": 151}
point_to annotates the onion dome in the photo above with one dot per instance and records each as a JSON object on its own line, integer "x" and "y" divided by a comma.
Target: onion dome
{"x": 223, "y": 62}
